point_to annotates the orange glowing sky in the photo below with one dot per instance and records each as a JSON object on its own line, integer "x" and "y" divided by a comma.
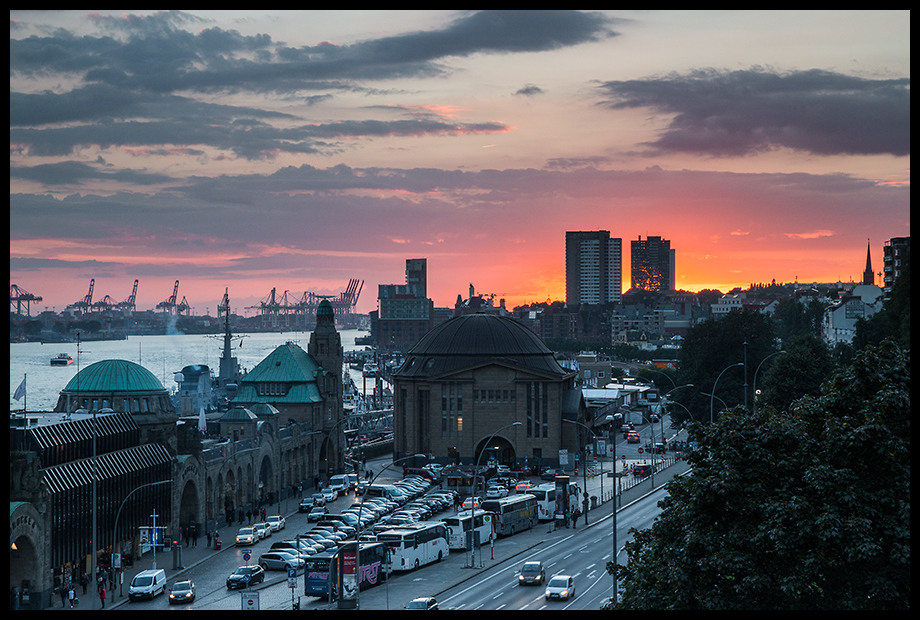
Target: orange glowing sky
{"x": 297, "y": 150}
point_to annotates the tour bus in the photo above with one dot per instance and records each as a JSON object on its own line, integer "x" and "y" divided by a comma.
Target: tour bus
{"x": 415, "y": 544}
{"x": 459, "y": 527}
{"x": 321, "y": 567}
{"x": 513, "y": 513}
{"x": 546, "y": 500}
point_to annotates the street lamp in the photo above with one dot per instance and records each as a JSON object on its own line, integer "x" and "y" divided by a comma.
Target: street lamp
{"x": 584, "y": 465}
{"x": 476, "y": 475}
{"x": 754, "y": 387}
{"x": 712, "y": 396}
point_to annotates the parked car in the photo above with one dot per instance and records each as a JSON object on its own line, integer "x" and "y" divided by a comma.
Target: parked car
{"x": 263, "y": 529}
{"x": 317, "y": 513}
{"x": 280, "y": 560}
{"x": 182, "y": 592}
{"x": 275, "y": 522}
{"x": 245, "y": 576}
{"x": 247, "y": 536}
{"x": 306, "y": 505}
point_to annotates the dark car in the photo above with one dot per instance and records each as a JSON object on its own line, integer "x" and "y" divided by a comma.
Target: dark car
{"x": 245, "y": 576}
{"x": 182, "y": 592}
{"x": 532, "y": 573}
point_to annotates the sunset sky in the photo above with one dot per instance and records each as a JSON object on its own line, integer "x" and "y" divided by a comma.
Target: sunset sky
{"x": 296, "y": 150}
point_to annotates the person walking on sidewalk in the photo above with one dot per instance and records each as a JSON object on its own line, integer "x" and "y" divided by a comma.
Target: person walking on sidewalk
{"x": 102, "y": 596}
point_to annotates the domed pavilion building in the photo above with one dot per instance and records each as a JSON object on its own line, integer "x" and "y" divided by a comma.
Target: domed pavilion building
{"x": 468, "y": 381}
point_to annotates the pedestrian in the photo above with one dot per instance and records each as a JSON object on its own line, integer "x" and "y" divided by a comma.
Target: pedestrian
{"x": 63, "y": 597}
{"x": 102, "y": 596}
{"x": 209, "y": 538}
{"x": 575, "y": 519}
{"x": 84, "y": 580}
{"x": 249, "y": 515}
{"x": 194, "y": 535}
{"x": 71, "y": 595}
{"x": 568, "y": 516}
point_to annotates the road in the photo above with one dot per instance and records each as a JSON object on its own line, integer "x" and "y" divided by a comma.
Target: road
{"x": 491, "y": 585}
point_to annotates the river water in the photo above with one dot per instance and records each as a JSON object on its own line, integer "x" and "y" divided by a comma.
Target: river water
{"x": 164, "y": 356}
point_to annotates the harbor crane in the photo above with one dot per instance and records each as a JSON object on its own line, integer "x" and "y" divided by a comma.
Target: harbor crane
{"x": 169, "y": 305}
{"x": 293, "y": 310}
{"x": 20, "y": 296}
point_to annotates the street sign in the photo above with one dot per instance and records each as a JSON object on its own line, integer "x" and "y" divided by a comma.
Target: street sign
{"x": 247, "y": 555}
{"x": 249, "y": 601}
{"x": 640, "y": 450}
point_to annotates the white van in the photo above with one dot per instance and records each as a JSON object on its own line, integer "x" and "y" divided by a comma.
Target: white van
{"x": 147, "y": 584}
{"x": 339, "y": 484}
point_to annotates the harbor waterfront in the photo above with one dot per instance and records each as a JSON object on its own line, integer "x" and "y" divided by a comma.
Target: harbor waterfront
{"x": 164, "y": 356}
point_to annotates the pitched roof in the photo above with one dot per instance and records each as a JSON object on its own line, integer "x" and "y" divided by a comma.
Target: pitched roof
{"x": 290, "y": 365}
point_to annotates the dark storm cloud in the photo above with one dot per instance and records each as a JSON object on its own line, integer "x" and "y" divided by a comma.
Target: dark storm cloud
{"x": 128, "y": 80}
{"x": 742, "y": 112}
{"x": 76, "y": 173}
{"x": 156, "y": 54}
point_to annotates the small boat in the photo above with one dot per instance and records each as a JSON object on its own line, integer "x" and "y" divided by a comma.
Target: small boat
{"x": 370, "y": 370}
{"x": 62, "y": 360}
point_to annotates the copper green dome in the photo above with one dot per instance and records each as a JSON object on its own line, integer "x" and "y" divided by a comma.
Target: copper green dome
{"x": 325, "y": 308}
{"x": 114, "y": 376}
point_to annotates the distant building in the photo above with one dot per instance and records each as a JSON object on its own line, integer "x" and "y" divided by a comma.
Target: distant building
{"x": 593, "y": 268}
{"x": 404, "y": 312}
{"x": 897, "y": 251}
{"x": 652, "y": 264}
{"x": 840, "y": 319}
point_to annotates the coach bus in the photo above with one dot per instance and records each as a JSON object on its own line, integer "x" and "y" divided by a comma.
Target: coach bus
{"x": 322, "y": 568}
{"x": 513, "y": 513}
{"x": 415, "y": 544}
{"x": 468, "y": 527}
{"x": 546, "y": 500}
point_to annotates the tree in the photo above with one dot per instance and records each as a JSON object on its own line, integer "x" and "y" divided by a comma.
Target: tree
{"x": 713, "y": 346}
{"x": 804, "y": 509}
{"x": 800, "y": 371}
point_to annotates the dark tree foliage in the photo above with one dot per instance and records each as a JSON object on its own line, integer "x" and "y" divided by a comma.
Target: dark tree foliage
{"x": 806, "y": 364}
{"x": 804, "y": 509}
{"x": 709, "y": 349}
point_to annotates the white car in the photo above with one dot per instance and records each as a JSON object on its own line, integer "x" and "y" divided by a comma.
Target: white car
{"x": 247, "y": 536}
{"x": 262, "y": 529}
{"x": 496, "y": 492}
{"x": 276, "y": 522}
{"x": 560, "y": 587}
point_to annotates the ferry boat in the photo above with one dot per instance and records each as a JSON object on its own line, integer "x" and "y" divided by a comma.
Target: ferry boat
{"x": 62, "y": 360}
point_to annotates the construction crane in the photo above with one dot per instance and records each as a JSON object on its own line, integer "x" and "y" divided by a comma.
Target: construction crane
{"x": 128, "y": 304}
{"x": 21, "y": 296}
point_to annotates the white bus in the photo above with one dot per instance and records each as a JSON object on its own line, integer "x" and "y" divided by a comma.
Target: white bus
{"x": 546, "y": 500}
{"x": 478, "y": 522}
{"x": 416, "y": 544}
{"x": 512, "y": 514}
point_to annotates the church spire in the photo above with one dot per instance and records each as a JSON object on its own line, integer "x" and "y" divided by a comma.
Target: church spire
{"x": 868, "y": 276}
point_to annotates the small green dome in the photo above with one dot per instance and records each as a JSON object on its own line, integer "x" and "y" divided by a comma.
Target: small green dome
{"x": 110, "y": 376}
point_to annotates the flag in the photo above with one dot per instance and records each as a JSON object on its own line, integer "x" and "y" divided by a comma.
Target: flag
{"x": 21, "y": 390}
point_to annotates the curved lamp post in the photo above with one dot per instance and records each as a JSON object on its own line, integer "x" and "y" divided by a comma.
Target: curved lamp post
{"x": 476, "y": 475}
{"x": 712, "y": 396}
{"x": 754, "y": 386}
